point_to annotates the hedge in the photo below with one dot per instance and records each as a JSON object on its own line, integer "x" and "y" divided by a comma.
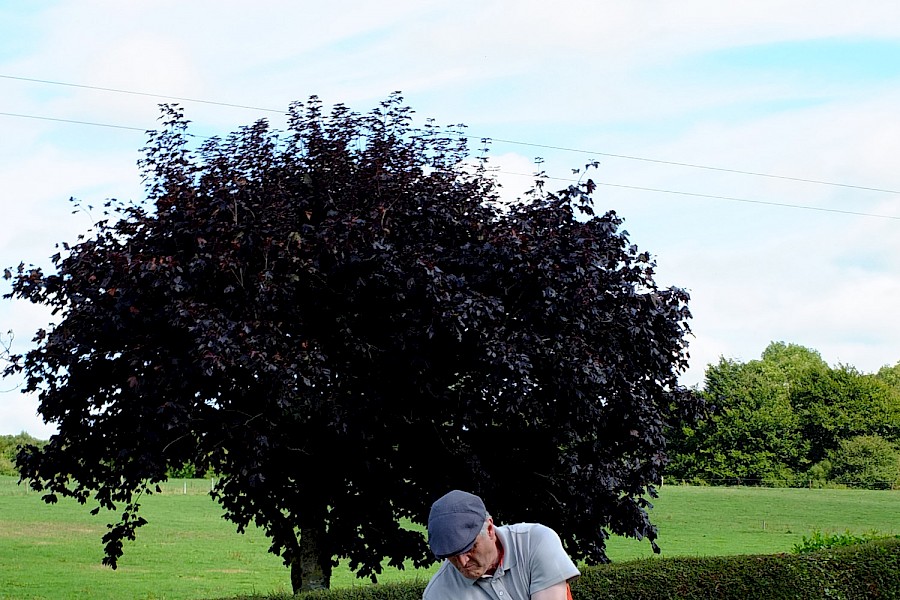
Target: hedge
{"x": 869, "y": 570}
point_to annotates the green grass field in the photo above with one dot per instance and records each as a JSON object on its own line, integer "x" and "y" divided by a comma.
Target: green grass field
{"x": 189, "y": 552}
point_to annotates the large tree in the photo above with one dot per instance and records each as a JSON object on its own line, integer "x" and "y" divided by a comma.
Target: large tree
{"x": 776, "y": 418}
{"x": 840, "y": 404}
{"x": 890, "y": 375}
{"x": 343, "y": 320}
{"x": 752, "y": 433}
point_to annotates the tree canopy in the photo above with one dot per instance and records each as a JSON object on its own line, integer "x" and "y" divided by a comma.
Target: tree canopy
{"x": 784, "y": 418}
{"x": 9, "y": 447}
{"x": 344, "y": 320}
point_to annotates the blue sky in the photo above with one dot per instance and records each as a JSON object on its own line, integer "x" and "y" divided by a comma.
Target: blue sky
{"x": 679, "y": 102}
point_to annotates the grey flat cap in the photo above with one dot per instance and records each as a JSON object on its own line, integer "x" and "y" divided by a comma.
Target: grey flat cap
{"x": 455, "y": 520}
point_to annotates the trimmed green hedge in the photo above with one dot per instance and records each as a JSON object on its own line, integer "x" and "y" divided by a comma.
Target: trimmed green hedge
{"x": 861, "y": 572}
{"x": 870, "y": 570}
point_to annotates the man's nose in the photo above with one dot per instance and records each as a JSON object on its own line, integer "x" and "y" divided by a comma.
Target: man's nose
{"x": 463, "y": 559}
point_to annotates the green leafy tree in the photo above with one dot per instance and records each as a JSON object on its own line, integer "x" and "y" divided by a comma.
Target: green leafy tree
{"x": 890, "y": 376}
{"x": 343, "y": 321}
{"x": 779, "y": 418}
{"x": 9, "y": 447}
{"x": 786, "y": 364}
{"x": 867, "y": 461}
{"x": 752, "y": 433}
{"x": 839, "y": 404}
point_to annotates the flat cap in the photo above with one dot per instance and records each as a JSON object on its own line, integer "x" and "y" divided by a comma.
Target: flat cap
{"x": 455, "y": 520}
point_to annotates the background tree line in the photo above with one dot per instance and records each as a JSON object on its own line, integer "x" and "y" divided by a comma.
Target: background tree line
{"x": 9, "y": 445}
{"x": 790, "y": 419}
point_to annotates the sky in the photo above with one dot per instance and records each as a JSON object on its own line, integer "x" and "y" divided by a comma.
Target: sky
{"x": 751, "y": 147}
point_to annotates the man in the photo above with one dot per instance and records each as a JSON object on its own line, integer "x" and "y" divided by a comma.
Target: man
{"x": 525, "y": 561}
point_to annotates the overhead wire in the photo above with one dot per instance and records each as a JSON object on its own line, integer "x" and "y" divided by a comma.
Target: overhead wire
{"x": 135, "y": 93}
{"x": 598, "y": 183}
{"x": 71, "y": 121}
{"x": 714, "y": 196}
{"x": 694, "y": 166}
{"x": 491, "y": 140}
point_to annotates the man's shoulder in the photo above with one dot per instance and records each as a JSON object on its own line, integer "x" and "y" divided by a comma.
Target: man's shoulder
{"x": 533, "y": 530}
{"x": 534, "y": 541}
{"x": 525, "y": 527}
{"x": 446, "y": 583}
{"x": 539, "y": 549}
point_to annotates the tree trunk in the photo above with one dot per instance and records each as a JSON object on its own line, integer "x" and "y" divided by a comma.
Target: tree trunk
{"x": 311, "y": 570}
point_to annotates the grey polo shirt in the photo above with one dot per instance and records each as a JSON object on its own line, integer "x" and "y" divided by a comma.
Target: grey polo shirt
{"x": 533, "y": 560}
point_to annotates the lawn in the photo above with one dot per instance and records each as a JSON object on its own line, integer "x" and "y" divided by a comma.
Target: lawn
{"x": 719, "y": 521}
{"x": 188, "y": 551}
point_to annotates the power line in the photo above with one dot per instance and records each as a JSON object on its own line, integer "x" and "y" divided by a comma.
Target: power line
{"x": 504, "y": 141}
{"x": 715, "y": 197}
{"x": 733, "y": 199}
{"x": 134, "y": 93}
{"x": 693, "y": 166}
{"x": 633, "y": 187}
{"x": 73, "y": 121}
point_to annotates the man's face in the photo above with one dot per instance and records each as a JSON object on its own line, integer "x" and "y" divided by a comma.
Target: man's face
{"x": 480, "y": 558}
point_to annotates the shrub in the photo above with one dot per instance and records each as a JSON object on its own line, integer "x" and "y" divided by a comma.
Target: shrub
{"x": 823, "y": 541}
{"x": 6, "y": 466}
{"x": 866, "y": 461}
{"x": 819, "y": 474}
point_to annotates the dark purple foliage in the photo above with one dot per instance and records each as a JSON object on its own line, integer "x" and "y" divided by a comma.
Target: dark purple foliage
{"x": 343, "y": 322}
